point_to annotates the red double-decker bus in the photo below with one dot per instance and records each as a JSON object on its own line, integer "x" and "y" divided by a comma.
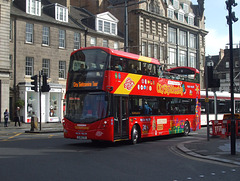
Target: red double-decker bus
{"x": 113, "y": 95}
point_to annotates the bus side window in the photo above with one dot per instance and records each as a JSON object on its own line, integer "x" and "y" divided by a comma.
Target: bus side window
{"x": 144, "y": 68}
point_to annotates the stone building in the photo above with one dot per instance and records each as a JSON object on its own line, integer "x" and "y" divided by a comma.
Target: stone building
{"x": 43, "y": 35}
{"x": 172, "y": 31}
{"x": 4, "y": 56}
{"x": 222, "y": 68}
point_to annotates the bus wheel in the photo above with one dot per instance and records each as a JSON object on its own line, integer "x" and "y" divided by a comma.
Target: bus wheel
{"x": 135, "y": 135}
{"x": 186, "y": 128}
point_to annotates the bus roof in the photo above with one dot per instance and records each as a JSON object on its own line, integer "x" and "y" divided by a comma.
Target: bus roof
{"x": 220, "y": 95}
{"x": 122, "y": 54}
{"x": 183, "y": 70}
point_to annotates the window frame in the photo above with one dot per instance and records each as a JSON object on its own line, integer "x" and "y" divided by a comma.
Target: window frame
{"x": 33, "y": 7}
{"x": 46, "y": 36}
{"x": 46, "y": 67}
{"x": 77, "y": 39}
{"x": 62, "y": 38}
{"x": 29, "y": 69}
{"x": 62, "y": 69}
{"x": 29, "y": 33}
{"x": 61, "y": 13}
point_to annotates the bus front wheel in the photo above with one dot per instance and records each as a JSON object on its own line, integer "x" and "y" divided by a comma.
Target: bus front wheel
{"x": 135, "y": 135}
{"x": 186, "y": 128}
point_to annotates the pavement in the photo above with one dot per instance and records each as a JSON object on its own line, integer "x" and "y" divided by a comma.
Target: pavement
{"x": 216, "y": 149}
{"x": 27, "y": 128}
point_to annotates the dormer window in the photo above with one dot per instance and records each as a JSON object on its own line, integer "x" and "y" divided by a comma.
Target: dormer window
{"x": 175, "y": 4}
{"x": 185, "y": 7}
{"x": 106, "y": 23}
{"x": 170, "y": 11}
{"x": 61, "y": 13}
{"x": 33, "y": 7}
{"x": 190, "y": 18}
{"x": 181, "y": 15}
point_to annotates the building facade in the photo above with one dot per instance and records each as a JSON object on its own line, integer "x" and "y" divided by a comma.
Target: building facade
{"x": 43, "y": 35}
{"x": 4, "y": 56}
{"x": 222, "y": 68}
{"x": 172, "y": 31}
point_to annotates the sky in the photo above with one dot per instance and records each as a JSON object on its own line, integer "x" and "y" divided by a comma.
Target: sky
{"x": 217, "y": 27}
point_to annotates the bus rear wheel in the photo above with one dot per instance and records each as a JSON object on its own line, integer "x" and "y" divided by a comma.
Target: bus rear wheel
{"x": 186, "y": 128}
{"x": 135, "y": 135}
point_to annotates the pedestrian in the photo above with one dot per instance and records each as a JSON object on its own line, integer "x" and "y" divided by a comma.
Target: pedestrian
{"x": 17, "y": 117}
{"x": 6, "y": 116}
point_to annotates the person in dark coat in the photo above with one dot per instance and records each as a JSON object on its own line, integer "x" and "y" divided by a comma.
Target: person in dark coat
{"x": 17, "y": 117}
{"x": 6, "y": 116}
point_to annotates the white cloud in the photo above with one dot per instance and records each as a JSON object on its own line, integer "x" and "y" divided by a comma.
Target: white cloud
{"x": 215, "y": 42}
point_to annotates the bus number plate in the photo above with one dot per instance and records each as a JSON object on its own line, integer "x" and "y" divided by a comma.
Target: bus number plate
{"x": 81, "y": 137}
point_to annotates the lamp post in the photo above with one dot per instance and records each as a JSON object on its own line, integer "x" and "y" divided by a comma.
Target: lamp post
{"x": 230, "y": 18}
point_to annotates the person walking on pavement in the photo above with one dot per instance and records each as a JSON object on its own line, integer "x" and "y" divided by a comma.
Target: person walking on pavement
{"x": 6, "y": 116}
{"x": 17, "y": 117}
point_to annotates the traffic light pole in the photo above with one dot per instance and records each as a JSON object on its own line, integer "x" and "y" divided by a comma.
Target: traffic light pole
{"x": 40, "y": 101}
{"x": 230, "y": 18}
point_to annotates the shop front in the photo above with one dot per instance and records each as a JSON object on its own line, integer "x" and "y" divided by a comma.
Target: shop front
{"x": 51, "y": 104}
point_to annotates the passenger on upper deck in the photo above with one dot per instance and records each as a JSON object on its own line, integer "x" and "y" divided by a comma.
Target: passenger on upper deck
{"x": 132, "y": 69}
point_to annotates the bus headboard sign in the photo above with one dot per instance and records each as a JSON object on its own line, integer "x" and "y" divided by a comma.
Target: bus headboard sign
{"x": 85, "y": 84}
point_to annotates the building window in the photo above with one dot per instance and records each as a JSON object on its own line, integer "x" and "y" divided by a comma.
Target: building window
{"x": 155, "y": 51}
{"x": 176, "y": 4}
{"x": 45, "y": 36}
{"x": 150, "y": 50}
{"x": 61, "y": 13}
{"x": 100, "y": 25}
{"x": 10, "y": 61}
{"x": 193, "y": 60}
{"x": 227, "y": 76}
{"x": 185, "y": 7}
{"x": 33, "y": 7}
{"x": 172, "y": 56}
{"x": 170, "y": 11}
{"x": 161, "y": 52}
{"x": 29, "y": 66}
{"x": 192, "y": 41}
{"x": 182, "y": 38}
{"x": 106, "y": 27}
{"x": 191, "y": 20}
{"x": 62, "y": 69}
{"x": 11, "y": 30}
{"x": 46, "y": 67}
{"x": 29, "y": 33}
{"x": 62, "y": 39}
{"x": 172, "y": 35}
{"x": 114, "y": 28}
{"x": 180, "y": 16}
{"x": 93, "y": 41}
{"x": 143, "y": 48}
{"x": 105, "y": 43}
{"x": 182, "y": 58}
{"x": 154, "y": 7}
{"x": 76, "y": 41}
{"x": 227, "y": 64}
{"x": 116, "y": 46}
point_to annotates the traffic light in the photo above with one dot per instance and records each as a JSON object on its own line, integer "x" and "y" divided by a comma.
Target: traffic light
{"x": 45, "y": 86}
{"x": 34, "y": 83}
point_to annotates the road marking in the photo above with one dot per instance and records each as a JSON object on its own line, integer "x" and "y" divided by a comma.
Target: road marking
{"x": 12, "y": 137}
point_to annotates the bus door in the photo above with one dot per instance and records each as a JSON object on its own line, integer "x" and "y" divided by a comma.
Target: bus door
{"x": 121, "y": 115}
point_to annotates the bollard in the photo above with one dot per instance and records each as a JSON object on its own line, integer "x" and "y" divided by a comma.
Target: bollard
{"x": 34, "y": 123}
